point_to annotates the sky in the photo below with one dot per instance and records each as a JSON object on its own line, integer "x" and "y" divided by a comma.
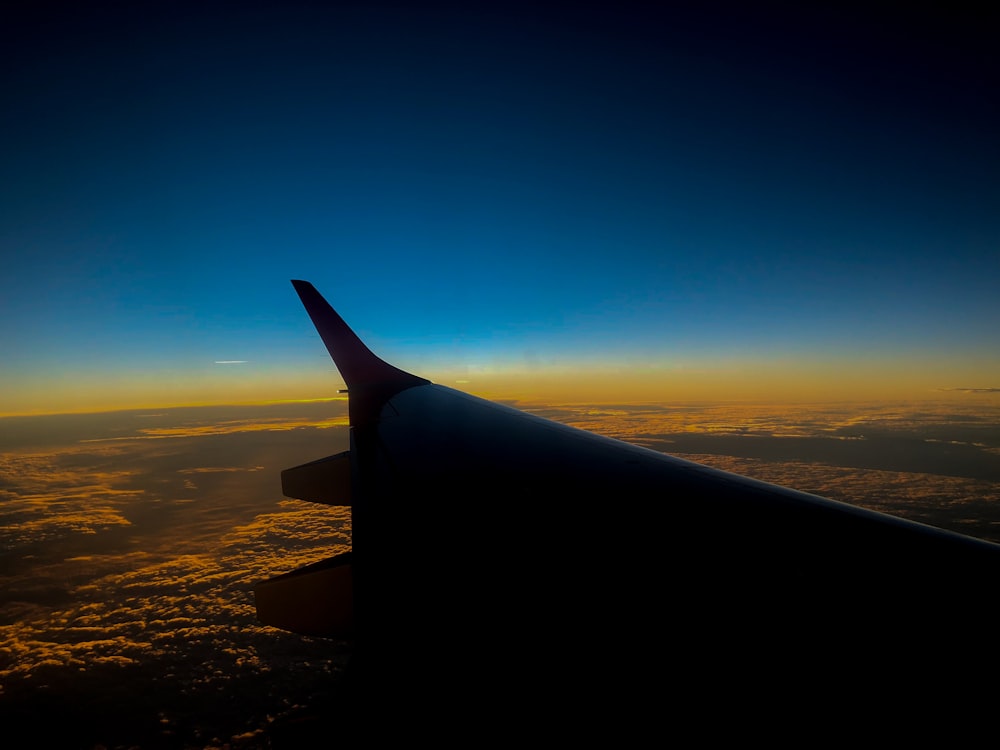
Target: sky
{"x": 581, "y": 200}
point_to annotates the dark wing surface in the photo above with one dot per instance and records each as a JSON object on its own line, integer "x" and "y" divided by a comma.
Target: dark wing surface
{"x": 598, "y": 580}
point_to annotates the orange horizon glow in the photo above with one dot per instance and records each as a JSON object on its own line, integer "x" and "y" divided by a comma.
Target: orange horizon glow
{"x": 778, "y": 381}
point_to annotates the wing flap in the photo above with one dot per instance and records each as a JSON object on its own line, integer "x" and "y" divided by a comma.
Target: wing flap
{"x": 316, "y": 600}
{"x": 326, "y": 481}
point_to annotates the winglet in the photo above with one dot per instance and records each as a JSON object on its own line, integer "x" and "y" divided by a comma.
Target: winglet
{"x": 360, "y": 368}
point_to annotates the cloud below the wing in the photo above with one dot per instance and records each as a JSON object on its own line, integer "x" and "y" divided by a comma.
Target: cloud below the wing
{"x": 130, "y": 561}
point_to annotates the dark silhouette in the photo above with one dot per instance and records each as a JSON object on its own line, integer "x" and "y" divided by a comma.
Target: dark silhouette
{"x": 708, "y": 582}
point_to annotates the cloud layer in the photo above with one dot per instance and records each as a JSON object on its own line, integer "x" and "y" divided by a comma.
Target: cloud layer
{"x": 128, "y": 567}
{"x": 130, "y": 544}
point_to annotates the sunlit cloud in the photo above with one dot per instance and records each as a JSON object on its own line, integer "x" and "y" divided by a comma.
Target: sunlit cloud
{"x": 168, "y": 606}
{"x": 175, "y": 617}
{"x": 231, "y": 361}
{"x": 109, "y": 604}
{"x": 43, "y": 500}
{"x": 972, "y": 390}
{"x": 216, "y": 469}
{"x": 227, "y": 428}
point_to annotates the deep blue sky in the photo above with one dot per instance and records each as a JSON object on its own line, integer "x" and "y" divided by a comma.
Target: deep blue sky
{"x": 493, "y": 189}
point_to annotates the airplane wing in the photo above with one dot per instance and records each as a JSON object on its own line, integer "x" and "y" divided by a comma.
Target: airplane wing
{"x": 490, "y": 545}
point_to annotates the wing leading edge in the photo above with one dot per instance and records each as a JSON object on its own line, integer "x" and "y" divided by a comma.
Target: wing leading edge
{"x": 485, "y": 538}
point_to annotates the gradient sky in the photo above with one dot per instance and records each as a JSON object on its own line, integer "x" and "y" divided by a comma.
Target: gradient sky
{"x": 659, "y": 205}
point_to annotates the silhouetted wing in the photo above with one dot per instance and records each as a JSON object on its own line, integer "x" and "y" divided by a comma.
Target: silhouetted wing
{"x": 485, "y": 538}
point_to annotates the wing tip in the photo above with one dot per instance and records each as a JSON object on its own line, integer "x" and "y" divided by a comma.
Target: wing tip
{"x": 356, "y": 362}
